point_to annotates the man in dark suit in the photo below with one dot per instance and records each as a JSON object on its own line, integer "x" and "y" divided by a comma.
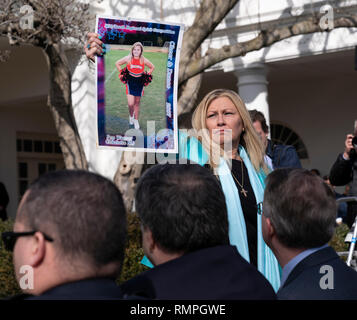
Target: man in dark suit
{"x": 69, "y": 237}
{"x": 185, "y": 235}
{"x": 298, "y": 220}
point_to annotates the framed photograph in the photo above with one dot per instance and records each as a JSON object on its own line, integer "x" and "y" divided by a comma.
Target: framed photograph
{"x": 137, "y": 84}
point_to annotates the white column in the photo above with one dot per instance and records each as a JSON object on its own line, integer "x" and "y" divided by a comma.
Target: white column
{"x": 253, "y": 88}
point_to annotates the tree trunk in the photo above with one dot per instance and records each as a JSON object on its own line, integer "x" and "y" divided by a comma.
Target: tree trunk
{"x": 125, "y": 178}
{"x": 60, "y": 104}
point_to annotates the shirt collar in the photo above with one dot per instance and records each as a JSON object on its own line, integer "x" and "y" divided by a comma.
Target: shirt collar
{"x": 294, "y": 261}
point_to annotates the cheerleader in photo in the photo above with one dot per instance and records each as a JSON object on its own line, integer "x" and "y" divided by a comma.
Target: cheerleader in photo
{"x": 135, "y": 78}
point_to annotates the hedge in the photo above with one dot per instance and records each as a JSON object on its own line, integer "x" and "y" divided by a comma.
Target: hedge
{"x": 8, "y": 284}
{"x": 134, "y": 254}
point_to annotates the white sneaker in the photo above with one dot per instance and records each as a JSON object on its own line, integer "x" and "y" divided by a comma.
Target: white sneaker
{"x": 131, "y": 119}
{"x": 136, "y": 124}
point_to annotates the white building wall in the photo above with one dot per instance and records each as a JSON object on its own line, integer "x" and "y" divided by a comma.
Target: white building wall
{"x": 27, "y": 118}
{"x": 320, "y": 110}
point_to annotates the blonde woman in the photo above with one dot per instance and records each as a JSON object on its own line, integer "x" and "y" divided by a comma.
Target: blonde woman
{"x": 135, "y": 64}
{"x": 221, "y": 120}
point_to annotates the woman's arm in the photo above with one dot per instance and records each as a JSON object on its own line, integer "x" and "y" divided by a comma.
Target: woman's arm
{"x": 149, "y": 65}
{"x": 121, "y": 61}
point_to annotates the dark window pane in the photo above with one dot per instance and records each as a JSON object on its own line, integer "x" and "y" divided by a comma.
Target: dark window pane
{"x": 28, "y": 145}
{"x": 38, "y": 147}
{"x": 19, "y": 145}
{"x": 22, "y": 169}
{"x": 41, "y": 168}
{"x": 51, "y": 167}
{"x": 48, "y": 146}
{"x": 23, "y": 184}
{"x": 57, "y": 148}
{"x": 293, "y": 139}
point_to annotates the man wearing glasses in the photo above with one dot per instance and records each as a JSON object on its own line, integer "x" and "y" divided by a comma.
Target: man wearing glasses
{"x": 70, "y": 232}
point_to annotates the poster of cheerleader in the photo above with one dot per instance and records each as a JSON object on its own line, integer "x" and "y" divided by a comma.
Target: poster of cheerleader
{"x": 137, "y": 84}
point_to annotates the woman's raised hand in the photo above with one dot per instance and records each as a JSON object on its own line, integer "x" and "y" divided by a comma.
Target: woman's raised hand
{"x": 94, "y": 46}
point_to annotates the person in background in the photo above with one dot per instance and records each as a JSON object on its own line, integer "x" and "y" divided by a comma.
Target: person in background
{"x": 184, "y": 228}
{"x": 69, "y": 235}
{"x": 342, "y": 207}
{"x": 276, "y": 155}
{"x": 262, "y": 129}
{"x": 344, "y": 171}
{"x": 316, "y": 171}
{"x": 298, "y": 218}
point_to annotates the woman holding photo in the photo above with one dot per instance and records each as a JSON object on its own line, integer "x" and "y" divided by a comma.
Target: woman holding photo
{"x": 225, "y": 129}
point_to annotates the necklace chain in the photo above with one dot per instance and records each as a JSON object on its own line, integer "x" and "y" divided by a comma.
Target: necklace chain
{"x": 241, "y": 185}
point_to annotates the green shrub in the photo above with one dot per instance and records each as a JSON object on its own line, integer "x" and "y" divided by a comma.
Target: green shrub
{"x": 338, "y": 240}
{"x": 134, "y": 252}
{"x": 8, "y": 284}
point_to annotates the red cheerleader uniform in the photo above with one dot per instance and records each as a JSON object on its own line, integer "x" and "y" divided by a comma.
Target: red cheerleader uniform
{"x": 135, "y": 85}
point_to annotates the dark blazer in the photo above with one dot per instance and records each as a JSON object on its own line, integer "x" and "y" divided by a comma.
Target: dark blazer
{"x": 305, "y": 280}
{"x": 88, "y": 289}
{"x": 342, "y": 171}
{"x": 212, "y": 273}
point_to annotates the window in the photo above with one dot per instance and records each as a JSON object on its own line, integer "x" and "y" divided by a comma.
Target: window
{"x": 37, "y": 154}
{"x": 46, "y": 167}
{"x": 281, "y": 134}
{"x": 23, "y": 177}
{"x": 57, "y": 148}
{"x": 38, "y": 146}
{"x": 27, "y": 145}
{"x": 48, "y": 146}
{"x": 18, "y": 145}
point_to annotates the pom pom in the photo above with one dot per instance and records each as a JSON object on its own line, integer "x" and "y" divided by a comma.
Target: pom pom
{"x": 124, "y": 75}
{"x": 146, "y": 78}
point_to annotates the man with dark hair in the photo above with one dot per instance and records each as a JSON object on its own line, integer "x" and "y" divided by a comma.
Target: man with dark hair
{"x": 185, "y": 235}
{"x": 276, "y": 155}
{"x": 69, "y": 237}
{"x": 298, "y": 220}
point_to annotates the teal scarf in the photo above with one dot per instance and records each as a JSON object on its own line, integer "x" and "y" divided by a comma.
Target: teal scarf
{"x": 267, "y": 264}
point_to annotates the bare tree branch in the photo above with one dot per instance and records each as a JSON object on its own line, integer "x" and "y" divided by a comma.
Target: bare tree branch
{"x": 208, "y": 16}
{"x": 189, "y": 90}
{"x": 265, "y": 39}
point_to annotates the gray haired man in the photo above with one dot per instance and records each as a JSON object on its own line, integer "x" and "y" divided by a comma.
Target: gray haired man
{"x": 298, "y": 220}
